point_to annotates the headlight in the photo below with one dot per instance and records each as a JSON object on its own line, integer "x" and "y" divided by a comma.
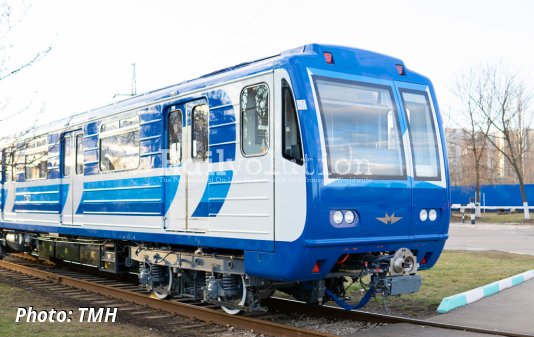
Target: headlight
{"x": 349, "y": 217}
{"x": 423, "y": 215}
{"x": 432, "y": 215}
{"x": 338, "y": 217}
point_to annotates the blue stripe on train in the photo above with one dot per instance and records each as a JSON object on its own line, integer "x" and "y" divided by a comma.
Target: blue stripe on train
{"x": 41, "y": 199}
{"x": 133, "y": 196}
{"x": 214, "y": 194}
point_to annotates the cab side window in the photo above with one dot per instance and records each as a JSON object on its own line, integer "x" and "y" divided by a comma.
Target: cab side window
{"x": 291, "y": 143}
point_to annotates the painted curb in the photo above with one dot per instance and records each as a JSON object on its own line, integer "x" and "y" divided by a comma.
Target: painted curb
{"x": 452, "y": 302}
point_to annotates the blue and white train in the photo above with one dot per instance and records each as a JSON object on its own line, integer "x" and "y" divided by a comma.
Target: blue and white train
{"x": 292, "y": 173}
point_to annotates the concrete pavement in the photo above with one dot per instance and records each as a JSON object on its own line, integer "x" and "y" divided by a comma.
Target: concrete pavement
{"x": 507, "y": 238}
{"x": 510, "y": 310}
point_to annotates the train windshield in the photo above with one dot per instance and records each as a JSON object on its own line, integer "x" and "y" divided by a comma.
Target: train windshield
{"x": 361, "y": 130}
{"x": 422, "y": 135}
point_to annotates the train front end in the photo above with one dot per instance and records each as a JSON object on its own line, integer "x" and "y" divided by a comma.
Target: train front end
{"x": 377, "y": 176}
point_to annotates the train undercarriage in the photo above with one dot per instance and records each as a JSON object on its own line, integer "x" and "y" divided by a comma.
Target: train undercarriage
{"x": 218, "y": 277}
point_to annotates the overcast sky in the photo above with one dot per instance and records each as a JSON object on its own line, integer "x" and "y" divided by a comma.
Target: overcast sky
{"x": 95, "y": 42}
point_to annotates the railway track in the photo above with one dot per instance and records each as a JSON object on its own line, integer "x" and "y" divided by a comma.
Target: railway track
{"x": 209, "y": 314}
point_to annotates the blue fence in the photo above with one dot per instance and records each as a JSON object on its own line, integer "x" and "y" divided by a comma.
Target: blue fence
{"x": 493, "y": 195}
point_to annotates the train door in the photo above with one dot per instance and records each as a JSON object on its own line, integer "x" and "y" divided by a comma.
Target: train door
{"x": 188, "y": 166}
{"x": 71, "y": 175}
{"x": 175, "y": 182}
{"x": 290, "y": 186}
{"x": 197, "y": 184}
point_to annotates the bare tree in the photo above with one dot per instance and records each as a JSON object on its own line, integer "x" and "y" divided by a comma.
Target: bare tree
{"x": 11, "y": 14}
{"x": 505, "y": 104}
{"x": 470, "y": 89}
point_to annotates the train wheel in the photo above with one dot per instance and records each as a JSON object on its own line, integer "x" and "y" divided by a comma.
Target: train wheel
{"x": 239, "y": 299}
{"x": 164, "y": 289}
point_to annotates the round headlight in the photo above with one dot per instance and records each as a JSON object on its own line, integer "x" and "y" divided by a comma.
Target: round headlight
{"x": 423, "y": 215}
{"x": 338, "y": 217}
{"x": 432, "y": 215}
{"x": 349, "y": 217}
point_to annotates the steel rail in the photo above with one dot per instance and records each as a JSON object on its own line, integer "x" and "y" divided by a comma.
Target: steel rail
{"x": 182, "y": 309}
{"x": 287, "y": 305}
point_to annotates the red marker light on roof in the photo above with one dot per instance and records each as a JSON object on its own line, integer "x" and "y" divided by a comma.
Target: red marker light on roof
{"x": 328, "y": 57}
{"x": 400, "y": 69}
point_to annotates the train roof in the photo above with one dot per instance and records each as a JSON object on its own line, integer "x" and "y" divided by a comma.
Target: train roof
{"x": 374, "y": 64}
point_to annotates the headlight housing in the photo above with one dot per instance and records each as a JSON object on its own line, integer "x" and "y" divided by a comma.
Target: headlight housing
{"x": 432, "y": 215}
{"x": 423, "y": 215}
{"x": 349, "y": 217}
{"x": 337, "y": 217}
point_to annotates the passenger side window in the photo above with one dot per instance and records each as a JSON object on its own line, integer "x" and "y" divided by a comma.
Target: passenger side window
{"x": 174, "y": 155}
{"x": 79, "y": 153}
{"x": 200, "y": 138}
{"x": 291, "y": 143}
{"x": 36, "y": 159}
{"x": 67, "y": 156}
{"x": 255, "y": 120}
{"x": 119, "y": 145}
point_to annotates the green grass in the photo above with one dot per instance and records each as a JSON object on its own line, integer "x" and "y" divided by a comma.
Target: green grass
{"x": 493, "y": 218}
{"x": 456, "y": 272}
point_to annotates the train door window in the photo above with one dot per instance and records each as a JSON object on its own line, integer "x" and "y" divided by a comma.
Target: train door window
{"x": 36, "y": 159}
{"x": 255, "y": 120}
{"x": 67, "y": 156}
{"x": 422, "y": 135}
{"x": 199, "y": 122}
{"x": 291, "y": 143}
{"x": 119, "y": 145}
{"x": 174, "y": 125}
{"x": 79, "y": 153}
